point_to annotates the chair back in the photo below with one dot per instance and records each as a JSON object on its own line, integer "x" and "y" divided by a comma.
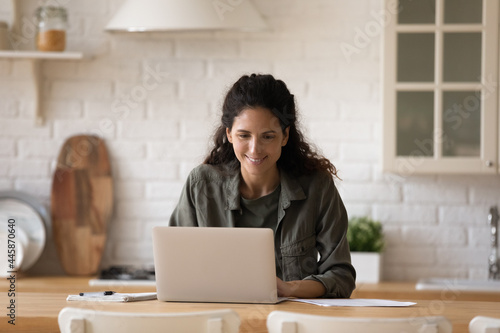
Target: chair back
{"x": 481, "y": 324}
{"x": 289, "y": 322}
{"x": 77, "y": 320}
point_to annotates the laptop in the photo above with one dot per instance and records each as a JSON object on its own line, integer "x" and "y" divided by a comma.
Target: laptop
{"x": 228, "y": 265}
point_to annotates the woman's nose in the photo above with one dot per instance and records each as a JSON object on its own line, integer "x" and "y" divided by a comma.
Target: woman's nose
{"x": 255, "y": 145}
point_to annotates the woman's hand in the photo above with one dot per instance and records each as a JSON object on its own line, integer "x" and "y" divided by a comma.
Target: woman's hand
{"x": 300, "y": 288}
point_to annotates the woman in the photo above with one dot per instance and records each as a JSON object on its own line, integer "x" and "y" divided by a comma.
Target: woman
{"x": 261, "y": 173}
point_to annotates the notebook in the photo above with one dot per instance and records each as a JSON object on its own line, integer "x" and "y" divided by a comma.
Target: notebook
{"x": 230, "y": 265}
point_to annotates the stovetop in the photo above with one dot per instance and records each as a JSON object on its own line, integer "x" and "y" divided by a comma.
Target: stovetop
{"x": 128, "y": 273}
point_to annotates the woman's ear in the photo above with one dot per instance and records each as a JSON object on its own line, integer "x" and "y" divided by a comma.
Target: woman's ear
{"x": 286, "y": 136}
{"x": 228, "y": 134}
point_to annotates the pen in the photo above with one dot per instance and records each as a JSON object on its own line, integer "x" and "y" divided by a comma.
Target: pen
{"x": 99, "y": 293}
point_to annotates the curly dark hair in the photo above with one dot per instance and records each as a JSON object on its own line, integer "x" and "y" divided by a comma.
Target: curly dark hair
{"x": 264, "y": 91}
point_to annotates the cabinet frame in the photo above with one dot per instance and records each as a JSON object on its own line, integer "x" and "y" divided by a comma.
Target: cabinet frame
{"x": 488, "y": 161}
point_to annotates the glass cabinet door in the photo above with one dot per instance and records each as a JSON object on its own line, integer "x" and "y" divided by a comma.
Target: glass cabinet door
{"x": 440, "y": 86}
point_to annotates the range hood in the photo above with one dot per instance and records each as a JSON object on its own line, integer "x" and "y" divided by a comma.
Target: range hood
{"x": 179, "y": 15}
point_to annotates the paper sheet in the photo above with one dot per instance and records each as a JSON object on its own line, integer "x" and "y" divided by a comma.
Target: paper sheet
{"x": 353, "y": 302}
{"x": 116, "y": 297}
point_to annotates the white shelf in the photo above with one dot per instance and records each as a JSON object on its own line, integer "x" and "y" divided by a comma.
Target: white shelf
{"x": 35, "y": 57}
{"x": 41, "y": 55}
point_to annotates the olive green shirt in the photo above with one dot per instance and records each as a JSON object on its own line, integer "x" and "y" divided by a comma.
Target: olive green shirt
{"x": 311, "y": 220}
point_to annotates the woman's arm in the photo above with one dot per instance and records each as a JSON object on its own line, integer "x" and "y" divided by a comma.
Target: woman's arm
{"x": 335, "y": 271}
{"x": 300, "y": 288}
{"x": 184, "y": 214}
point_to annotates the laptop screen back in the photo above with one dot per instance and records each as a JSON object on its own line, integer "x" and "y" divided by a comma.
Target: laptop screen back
{"x": 198, "y": 264}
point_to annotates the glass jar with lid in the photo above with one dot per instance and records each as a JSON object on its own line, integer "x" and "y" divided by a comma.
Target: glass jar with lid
{"x": 52, "y": 25}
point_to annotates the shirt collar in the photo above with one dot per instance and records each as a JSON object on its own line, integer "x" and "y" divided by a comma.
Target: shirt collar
{"x": 290, "y": 190}
{"x": 233, "y": 191}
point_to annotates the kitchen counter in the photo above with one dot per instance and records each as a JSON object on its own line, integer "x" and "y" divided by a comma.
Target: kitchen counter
{"x": 70, "y": 285}
{"x": 39, "y": 300}
{"x": 407, "y": 290}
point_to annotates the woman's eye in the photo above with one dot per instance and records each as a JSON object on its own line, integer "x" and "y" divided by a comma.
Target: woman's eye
{"x": 268, "y": 137}
{"x": 243, "y": 136}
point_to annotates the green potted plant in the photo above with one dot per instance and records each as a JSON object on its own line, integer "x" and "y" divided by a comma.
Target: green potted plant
{"x": 366, "y": 241}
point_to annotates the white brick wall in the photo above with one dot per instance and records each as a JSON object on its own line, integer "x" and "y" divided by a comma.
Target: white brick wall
{"x": 155, "y": 100}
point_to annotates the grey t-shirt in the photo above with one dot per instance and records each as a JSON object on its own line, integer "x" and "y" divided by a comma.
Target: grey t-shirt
{"x": 261, "y": 212}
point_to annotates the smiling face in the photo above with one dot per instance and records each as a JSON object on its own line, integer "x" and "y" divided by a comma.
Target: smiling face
{"x": 257, "y": 139}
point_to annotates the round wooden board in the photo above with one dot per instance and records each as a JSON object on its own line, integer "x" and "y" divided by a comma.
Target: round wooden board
{"x": 81, "y": 203}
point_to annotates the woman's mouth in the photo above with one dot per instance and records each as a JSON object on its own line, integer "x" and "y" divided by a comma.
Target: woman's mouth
{"x": 256, "y": 161}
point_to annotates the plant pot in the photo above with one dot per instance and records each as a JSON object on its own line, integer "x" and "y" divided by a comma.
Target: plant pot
{"x": 367, "y": 265}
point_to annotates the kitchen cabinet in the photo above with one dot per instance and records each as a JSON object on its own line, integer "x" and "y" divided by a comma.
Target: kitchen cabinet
{"x": 440, "y": 92}
{"x": 35, "y": 58}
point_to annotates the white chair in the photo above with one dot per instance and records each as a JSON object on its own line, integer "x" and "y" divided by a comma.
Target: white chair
{"x": 289, "y": 322}
{"x": 75, "y": 320}
{"x": 480, "y": 324}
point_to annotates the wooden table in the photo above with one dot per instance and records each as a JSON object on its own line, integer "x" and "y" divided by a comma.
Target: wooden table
{"x": 39, "y": 300}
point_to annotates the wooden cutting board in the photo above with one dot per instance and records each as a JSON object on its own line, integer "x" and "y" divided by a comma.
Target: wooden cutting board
{"x": 81, "y": 203}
